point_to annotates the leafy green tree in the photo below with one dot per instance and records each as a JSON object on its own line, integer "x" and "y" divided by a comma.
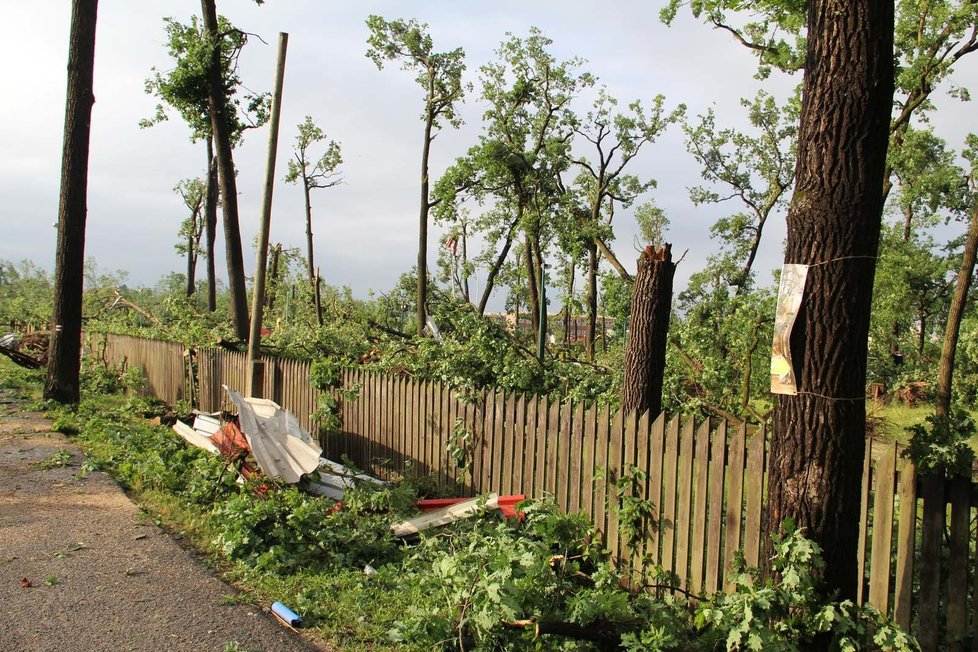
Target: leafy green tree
{"x": 440, "y": 75}
{"x": 193, "y": 192}
{"x": 313, "y": 173}
{"x": 184, "y": 88}
{"x": 25, "y": 295}
{"x": 223, "y": 129}
{"x": 522, "y": 151}
{"x": 617, "y": 138}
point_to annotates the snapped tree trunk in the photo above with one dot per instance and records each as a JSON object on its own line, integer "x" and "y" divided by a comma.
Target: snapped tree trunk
{"x": 818, "y": 439}
{"x": 210, "y": 225}
{"x": 945, "y": 371}
{"x": 590, "y": 336}
{"x": 221, "y": 128}
{"x": 64, "y": 349}
{"x": 648, "y": 328}
{"x": 422, "y": 298}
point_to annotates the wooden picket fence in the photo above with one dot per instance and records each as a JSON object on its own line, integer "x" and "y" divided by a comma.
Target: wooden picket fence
{"x": 705, "y": 478}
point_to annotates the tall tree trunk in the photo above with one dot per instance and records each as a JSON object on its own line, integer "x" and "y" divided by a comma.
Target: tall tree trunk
{"x": 569, "y": 299}
{"x": 496, "y": 266}
{"x": 221, "y": 128}
{"x": 192, "y": 259}
{"x": 531, "y": 284}
{"x": 590, "y": 335}
{"x": 64, "y": 349}
{"x": 541, "y": 308}
{"x": 273, "y": 280}
{"x": 945, "y": 371}
{"x": 310, "y": 266}
{"x": 648, "y": 328}
{"x": 465, "y": 262}
{"x": 422, "y": 298}
{"x": 818, "y": 439}
{"x": 210, "y": 225}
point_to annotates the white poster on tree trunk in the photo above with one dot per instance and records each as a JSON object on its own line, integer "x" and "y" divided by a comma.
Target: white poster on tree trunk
{"x": 790, "y": 295}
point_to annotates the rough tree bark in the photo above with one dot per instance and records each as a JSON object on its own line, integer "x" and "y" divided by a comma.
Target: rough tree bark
{"x": 590, "y": 334}
{"x": 64, "y": 349}
{"x": 221, "y": 130}
{"x": 818, "y": 439}
{"x": 422, "y": 298}
{"x": 955, "y": 314}
{"x": 648, "y": 327}
{"x": 210, "y": 226}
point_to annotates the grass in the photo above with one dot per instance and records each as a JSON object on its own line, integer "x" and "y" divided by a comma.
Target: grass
{"x": 892, "y": 420}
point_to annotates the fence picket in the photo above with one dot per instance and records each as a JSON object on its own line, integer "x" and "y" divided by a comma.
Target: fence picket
{"x": 715, "y": 515}
{"x": 685, "y": 501}
{"x": 754, "y": 491}
{"x": 879, "y": 571}
{"x": 667, "y": 527}
{"x": 957, "y": 577}
{"x": 735, "y": 499}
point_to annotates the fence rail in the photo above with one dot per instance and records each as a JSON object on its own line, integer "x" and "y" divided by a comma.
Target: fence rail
{"x": 706, "y": 479}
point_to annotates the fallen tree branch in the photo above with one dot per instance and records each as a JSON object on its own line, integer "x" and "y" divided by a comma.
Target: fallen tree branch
{"x": 21, "y": 359}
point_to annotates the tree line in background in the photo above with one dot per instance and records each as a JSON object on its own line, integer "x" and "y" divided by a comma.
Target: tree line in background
{"x": 882, "y": 211}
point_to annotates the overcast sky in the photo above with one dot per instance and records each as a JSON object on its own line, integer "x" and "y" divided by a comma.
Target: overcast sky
{"x": 366, "y": 229}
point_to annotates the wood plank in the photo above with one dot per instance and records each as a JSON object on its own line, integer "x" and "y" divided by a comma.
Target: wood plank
{"x": 602, "y": 490}
{"x": 634, "y": 549}
{"x": 519, "y": 445}
{"x": 575, "y": 489}
{"x": 499, "y": 443}
{"x": 562, "y": 471}
{"x": 542, "y": 456}
{"x": 642, "y": 450}
{"x": 957, "y": 578}
{"x": 879, "y": 569}
{"x": 754, "y": 497}
{"x": 735, "y": 500}
{"x": 932, "y": 534}
{"x": 863, "y": 523}
{"x": 684, "y": 508}
{"x": 714, "y": 527}
{"x": 555, "y": 443}
{"x": 411, "y": 392}
{"x": 615, "y": 468}
{"x": 656, "y": 446}
{"x": 530, "y": 447}
{"x": 445, "y": 516}
{"x": 508, "y": 440}
{"x": 587, "y": 461}
{"x": 668, "y": 530}
{"x": 906, "y": 531}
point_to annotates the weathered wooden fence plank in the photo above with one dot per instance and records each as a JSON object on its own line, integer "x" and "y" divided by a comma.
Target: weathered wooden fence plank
{"x": 906, "y": 531}
{"x": 701, "y": 469}
{"x": 754, "y": 491}
{"x": 667, "y": 526}
{"x": 932, "y": 532}
{"x": 735, "y": 500}
{"x": 958, "y": 566}
{"x": 684, "y": 508}
{"x": 879, "y": 572}
{"x": 714, "y": 527}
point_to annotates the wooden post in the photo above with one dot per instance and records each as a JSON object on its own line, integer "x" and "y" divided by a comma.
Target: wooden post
{"x": 254, "y": 379}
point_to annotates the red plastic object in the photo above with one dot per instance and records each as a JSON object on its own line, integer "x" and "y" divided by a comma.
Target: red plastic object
{"x": 507, "y": 504}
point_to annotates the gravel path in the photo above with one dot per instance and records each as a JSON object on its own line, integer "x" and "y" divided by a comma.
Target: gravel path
{"x": 81, "y": 568}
